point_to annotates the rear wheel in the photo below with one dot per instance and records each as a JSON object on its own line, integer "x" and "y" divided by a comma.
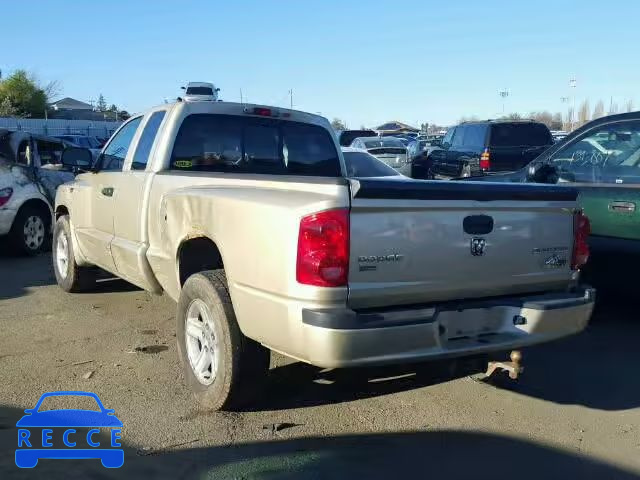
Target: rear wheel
{"x": 70, "y": 276}
{"x": 30, "y": 230}
{"x": 223, "y": 368}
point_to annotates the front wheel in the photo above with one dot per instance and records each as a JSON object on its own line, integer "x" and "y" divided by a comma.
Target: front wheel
{"x": 222, "y": 367}
{"x": 70, "y": 276}
{"x": 30, "y": 230}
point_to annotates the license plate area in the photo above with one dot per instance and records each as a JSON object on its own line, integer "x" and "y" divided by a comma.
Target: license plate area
{"x": 472, "y": 323}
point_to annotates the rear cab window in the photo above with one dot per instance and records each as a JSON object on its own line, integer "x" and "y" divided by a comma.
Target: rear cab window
{"x": 199, "y": 91}
{"x": 520, "y": 134}
{"x": 228, "y": 143}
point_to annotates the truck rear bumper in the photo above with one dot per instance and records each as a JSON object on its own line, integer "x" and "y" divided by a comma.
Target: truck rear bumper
{"x": 345, "y": 338}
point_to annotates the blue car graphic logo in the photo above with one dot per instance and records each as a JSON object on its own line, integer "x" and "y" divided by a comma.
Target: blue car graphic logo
{"x": 35, "y": 433}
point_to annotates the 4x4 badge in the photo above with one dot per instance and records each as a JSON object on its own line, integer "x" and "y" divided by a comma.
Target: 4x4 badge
{"x": 478, "y": 246}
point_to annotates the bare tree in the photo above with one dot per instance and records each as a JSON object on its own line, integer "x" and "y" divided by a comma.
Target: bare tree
{"x": 570, "y": 119}
{"x": 629, "y": 105}
{"x": 556, "y": 123}
{"x": 583, "y": 113}
{"x": 338, "y": 124}
{"x": 513, "y": 116}
{"x": 542, "y": 117}
{"x": 52, "y": 89}
{"x": 598, "y": 110}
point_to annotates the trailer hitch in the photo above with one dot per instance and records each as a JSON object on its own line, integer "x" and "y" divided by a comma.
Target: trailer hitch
{"x": 513, "y": 367}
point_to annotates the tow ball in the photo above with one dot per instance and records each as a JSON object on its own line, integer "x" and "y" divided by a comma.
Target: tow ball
{"x": 513, "y": 367}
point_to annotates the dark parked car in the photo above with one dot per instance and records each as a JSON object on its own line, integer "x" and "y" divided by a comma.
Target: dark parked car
{"x": 418, "y": 152}
{"x": 346, "y": 137}
{"x": 480, "y": 148}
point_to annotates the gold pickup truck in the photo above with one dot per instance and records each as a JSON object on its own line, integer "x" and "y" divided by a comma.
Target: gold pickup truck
{"x": 252, "y": 220}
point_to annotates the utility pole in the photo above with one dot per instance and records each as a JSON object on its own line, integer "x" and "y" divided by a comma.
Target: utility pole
{"x": 241, "y": 102}
{"x": 573, "y": 84}
{"x": 503, "y": 94}
{"x": 291, "y": 98}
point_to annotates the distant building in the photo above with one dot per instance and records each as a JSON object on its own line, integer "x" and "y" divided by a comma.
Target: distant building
{"x": 396, "y": 127}
{"x": 71, "y": 109}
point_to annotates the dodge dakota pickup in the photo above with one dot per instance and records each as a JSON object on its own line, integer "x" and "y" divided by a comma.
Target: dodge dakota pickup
{"x": 248, "y": 218}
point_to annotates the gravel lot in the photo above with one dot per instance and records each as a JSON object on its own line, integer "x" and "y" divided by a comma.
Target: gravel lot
{"x": 574, "y": 414}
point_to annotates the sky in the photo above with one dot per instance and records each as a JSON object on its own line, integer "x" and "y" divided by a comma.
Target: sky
{"x": 365, "y": 62}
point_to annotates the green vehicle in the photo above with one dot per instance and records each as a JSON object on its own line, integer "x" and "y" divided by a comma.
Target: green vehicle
{"x": 602, "y": 159}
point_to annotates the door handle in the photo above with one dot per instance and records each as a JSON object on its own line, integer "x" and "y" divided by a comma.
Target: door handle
{"x": 107, "y": 191}
{"x": 622, "y": 207}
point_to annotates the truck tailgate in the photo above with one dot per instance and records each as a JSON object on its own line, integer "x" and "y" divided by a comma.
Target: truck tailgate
{"x": 415, "y": 242}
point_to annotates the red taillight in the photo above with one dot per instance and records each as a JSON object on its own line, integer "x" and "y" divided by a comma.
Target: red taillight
{"x": 5, "y": 195}
{"x": 264, "y": 112}
{"x": 582, "y": 230}
{"x": 485, "y": 161}
{"x": 323, "y": 249}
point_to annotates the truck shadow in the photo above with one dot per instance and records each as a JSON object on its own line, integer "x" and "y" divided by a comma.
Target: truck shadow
{"x": 595, "y": 368}
{"x": 433, "y": 454}
{"x": 20, "y": 272}
{"x": 301, "y": 385}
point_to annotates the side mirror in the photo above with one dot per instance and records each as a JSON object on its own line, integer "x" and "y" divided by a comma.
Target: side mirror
{"x": 543, "y": 173}
{"x": 76, "y": 157}
{"x": 445, "y": 145}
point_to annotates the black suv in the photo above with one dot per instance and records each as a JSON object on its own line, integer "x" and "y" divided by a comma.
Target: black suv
{"x": 485, "y": 147}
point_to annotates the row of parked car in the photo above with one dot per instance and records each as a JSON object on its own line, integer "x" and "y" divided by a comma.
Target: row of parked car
{"x": 601, "y": 159}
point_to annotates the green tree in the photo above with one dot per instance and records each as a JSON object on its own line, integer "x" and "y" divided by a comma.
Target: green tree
{"x": 7, "y": 109}
{"x": 21, "y": 95}
{"x": 101, "y": 104}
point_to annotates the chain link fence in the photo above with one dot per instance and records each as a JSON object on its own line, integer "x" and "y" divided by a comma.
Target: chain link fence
{"x": 57, "y": 127}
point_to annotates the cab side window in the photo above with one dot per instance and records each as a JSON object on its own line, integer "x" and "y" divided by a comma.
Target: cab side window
{"x": 49, "y": 152}
{"x": 458, "y": 137}
{"x": 446, "y": 140}
{"x": 609, "y": 153}
{"x": 112, "y": 159}
{"x": 143, "y": 150}
{"x": 474, "y": 137}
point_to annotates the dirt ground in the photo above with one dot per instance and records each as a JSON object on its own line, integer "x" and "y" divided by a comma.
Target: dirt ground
{"x": 575, "y": 413}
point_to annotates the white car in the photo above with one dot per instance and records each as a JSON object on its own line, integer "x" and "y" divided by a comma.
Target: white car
{"x": 390, "y": 150}
{"x": 200, "y": 92}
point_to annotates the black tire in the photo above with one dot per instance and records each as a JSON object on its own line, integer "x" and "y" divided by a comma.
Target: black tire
{"x": 28, "y": 217}
{"x": 76, "y": 278}
{"x": 242, "y": 363}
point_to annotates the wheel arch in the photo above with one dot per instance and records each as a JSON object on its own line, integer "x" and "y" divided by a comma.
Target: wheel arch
{"x": 196, "y": 254}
